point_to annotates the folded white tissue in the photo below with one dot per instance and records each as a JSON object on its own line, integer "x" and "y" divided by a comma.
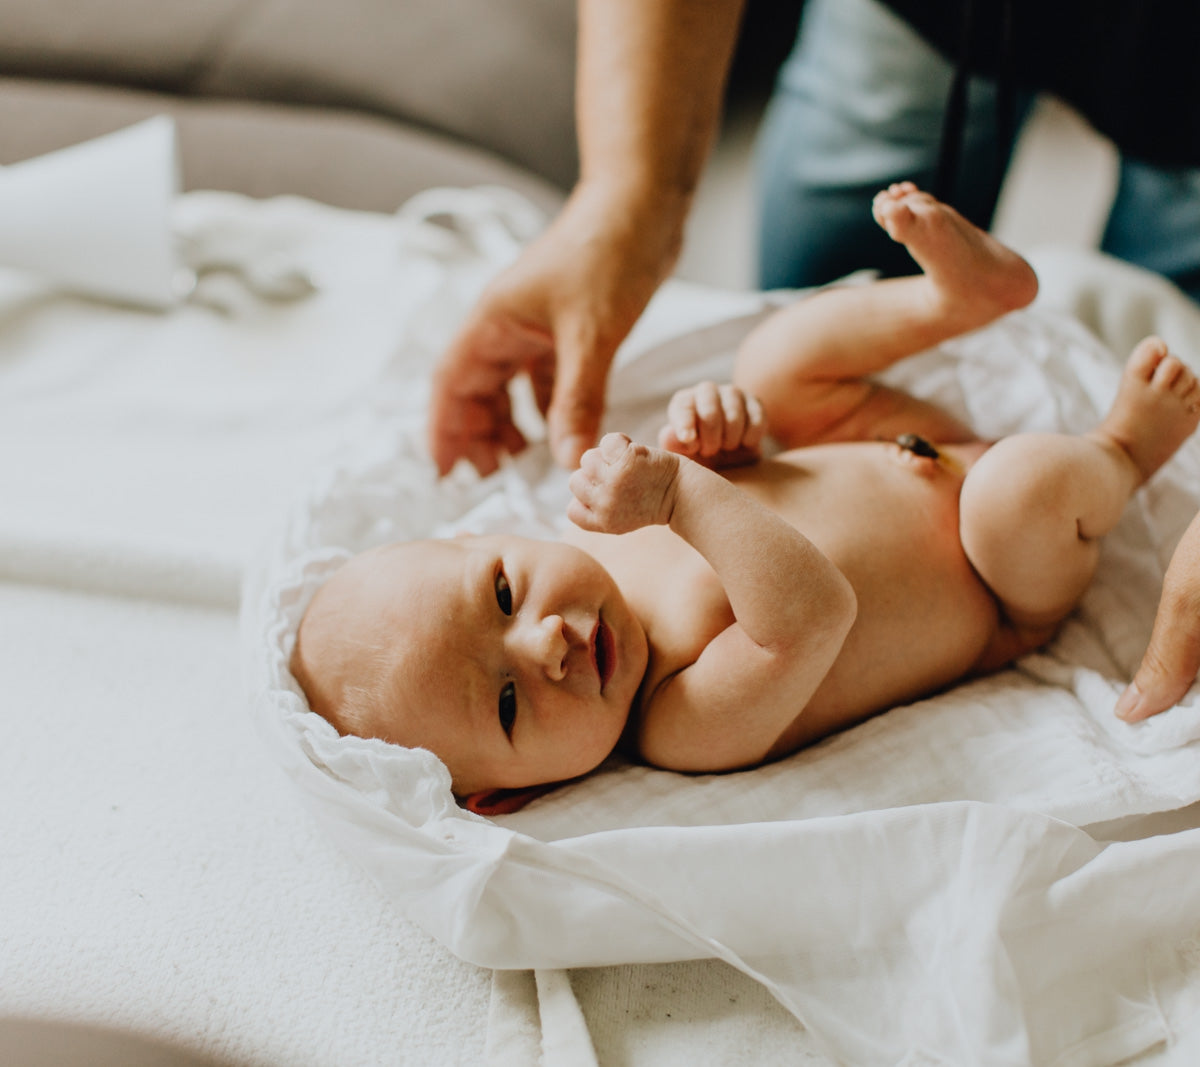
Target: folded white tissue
{"x": 917, "y": 886}
{"x": 95, "y": 218}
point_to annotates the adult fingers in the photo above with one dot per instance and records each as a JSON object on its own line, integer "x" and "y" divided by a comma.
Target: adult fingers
{"x": 1172, "y": 659}
{"x": 1169, "y": 666}
{"x": 577, "y": 405}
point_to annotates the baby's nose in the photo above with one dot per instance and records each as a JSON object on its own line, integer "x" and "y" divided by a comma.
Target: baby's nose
{"x": 547, "y": 645}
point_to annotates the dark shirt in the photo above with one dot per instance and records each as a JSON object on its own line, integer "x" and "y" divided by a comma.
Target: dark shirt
{"x": 1131, "y": 67}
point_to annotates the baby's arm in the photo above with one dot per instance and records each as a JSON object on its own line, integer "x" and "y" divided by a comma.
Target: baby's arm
{"x": 792, "y": 607}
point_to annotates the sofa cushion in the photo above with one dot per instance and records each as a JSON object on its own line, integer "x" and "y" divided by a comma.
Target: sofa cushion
{"x": 497, "y": 73}
{"x": 339, "y": 157}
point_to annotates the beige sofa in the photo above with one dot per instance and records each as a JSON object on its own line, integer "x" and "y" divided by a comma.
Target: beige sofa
{"x": 358, "y": 103}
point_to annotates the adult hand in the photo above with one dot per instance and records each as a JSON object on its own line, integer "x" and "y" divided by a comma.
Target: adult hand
{"x": 650, "y": 81}
{"x": 1173, "y": 657}
{"x": 557, "y": 314}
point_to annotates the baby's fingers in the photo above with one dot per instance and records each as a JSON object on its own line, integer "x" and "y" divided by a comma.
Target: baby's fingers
{"x": 734, "y": 417}
{"x": 679, "y": 434}
{"x": 710, "y": 418}
{"x": 756, "y": 423}
{"x": 584, "y": 484}
{"x": 583, "y": 516}
{"x": 597, "y": 467}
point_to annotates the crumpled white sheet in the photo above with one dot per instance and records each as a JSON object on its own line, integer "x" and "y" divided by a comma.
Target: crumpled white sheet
{"x": 916, "y": 887}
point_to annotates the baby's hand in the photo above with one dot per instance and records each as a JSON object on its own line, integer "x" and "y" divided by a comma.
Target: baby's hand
{"x": 621, "y": 486}
{"x": 719, "y": 426}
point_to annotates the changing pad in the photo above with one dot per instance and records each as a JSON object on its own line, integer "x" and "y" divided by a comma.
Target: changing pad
{"x": 918, "y": 886}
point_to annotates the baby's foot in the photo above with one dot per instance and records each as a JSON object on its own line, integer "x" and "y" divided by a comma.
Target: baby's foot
{"x": 975, "y": 274}
{"x": 1156, "y": 409}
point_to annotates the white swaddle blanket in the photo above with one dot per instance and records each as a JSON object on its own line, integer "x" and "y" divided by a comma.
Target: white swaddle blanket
{"x": 915, "y": 887}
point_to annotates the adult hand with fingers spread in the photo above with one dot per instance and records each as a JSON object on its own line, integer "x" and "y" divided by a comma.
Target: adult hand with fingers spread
{"x": 1172, "y": 658}
{"x": 648, "y": 97}
{"x": 558, "y": 315}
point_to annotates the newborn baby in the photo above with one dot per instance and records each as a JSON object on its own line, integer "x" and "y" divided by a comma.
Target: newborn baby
{"x": 705, "y": 621}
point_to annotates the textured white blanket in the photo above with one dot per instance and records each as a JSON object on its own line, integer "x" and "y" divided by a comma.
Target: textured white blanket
{"x": 916, "y": 887}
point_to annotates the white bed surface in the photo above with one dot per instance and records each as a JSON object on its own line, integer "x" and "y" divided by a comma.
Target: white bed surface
{"x": 160, "y": 876}
{"x": 167, "y": 880}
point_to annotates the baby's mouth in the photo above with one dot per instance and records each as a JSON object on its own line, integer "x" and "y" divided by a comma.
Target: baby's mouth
{"x": 603, "y": 653}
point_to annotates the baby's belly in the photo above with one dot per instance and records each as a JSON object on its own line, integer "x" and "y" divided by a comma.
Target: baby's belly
{"x": 891, "y": 526}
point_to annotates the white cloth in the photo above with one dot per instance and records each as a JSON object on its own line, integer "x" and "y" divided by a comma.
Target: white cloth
{"x": 150, "y": 454}
{"x": 913, "y": 887}
{"x": 95, "y": 218}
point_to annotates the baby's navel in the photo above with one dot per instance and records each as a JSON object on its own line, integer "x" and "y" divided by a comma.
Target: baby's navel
{"x": 917, "y": 445}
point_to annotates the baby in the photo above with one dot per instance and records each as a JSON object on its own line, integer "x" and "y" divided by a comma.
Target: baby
{"x": 704, "y": 621}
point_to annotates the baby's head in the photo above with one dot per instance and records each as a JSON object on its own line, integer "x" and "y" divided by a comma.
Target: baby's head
{"x": 515, "y": 661}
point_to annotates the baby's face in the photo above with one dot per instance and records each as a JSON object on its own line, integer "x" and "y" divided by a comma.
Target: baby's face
{"x": 515, "y": 661}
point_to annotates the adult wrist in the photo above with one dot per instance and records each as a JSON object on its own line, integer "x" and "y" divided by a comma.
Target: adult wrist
{"x": 646, "y": 211}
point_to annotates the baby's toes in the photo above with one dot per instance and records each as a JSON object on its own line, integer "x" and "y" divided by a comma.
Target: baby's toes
{"x": 890, "y": 195}
{"x": 1185, "y": 383}
{"x": 896, "y": 191}
{"x": 1188, "y": 390}
{"x": 1147, "y": 357}
{"x": 1170, "y": 375}
{"x": 897, "y": 218}
{"x": 877, "y": 203}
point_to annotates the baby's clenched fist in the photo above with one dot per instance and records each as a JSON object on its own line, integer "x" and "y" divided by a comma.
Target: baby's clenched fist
{"x": 717, "y": 425}
{"x": 621, "y": 486}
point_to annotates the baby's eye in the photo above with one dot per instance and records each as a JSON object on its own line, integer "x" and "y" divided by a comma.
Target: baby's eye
{"x": 508, "y": 707}
{"x": 503, "y": 593}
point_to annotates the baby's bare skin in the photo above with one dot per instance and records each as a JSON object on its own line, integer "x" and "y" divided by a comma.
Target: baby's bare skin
{"x": 890, "y": 520}
{"x": 716, "y": 620}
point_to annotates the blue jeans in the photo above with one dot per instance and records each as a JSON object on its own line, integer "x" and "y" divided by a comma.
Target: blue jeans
{"x": 859, "y": 104}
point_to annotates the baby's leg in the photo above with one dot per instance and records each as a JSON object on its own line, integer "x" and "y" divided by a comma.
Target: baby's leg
{"x": 796, "y": 360}
{"x": 1034, "y": 506}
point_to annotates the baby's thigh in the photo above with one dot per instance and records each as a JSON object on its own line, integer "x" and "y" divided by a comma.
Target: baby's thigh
{"x": 1019, "y": 521}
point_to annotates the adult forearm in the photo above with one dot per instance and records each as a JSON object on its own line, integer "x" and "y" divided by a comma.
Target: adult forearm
{"x": 650, "y": 86}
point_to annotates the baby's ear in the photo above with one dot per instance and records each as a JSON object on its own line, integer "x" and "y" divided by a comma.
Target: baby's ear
{"x": 503, "y": 801}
